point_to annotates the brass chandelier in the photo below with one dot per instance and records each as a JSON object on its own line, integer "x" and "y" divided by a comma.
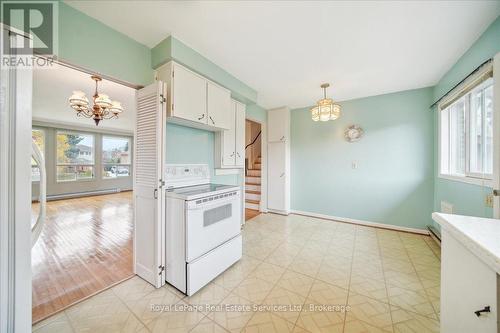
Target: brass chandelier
{"x": 103, "y": 107}
{"x": 325, "y": 108}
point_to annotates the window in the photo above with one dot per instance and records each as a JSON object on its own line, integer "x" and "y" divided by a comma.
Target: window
{"x": 75, "y": 156}
{"x": 116, "y": 157}
{"x": 38, "y": 137}
{"x": 466, "y": 135}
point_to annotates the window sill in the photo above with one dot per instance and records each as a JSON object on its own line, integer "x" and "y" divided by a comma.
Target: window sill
{"x": 469, "y": 180}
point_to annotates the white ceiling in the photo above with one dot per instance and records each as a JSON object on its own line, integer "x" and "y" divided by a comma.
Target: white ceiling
{"x": 286, "y": 49}
{"x": 52, "y": 88}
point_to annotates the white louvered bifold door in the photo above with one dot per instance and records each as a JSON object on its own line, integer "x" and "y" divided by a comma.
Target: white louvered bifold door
{"x": 149, "y": 198}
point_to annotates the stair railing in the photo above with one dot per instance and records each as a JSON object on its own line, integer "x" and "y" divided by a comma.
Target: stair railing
{"x": 248, "y": 145}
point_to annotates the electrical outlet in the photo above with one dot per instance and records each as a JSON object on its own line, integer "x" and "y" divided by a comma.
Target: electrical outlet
{"x": 489, "y": 200}
{"x": 446, "y": 207}
{"x": 354, "y": 165}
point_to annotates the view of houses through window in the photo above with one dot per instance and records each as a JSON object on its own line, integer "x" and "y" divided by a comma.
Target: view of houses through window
{"x": 38, "y": 137}
{"x": 75, "y": 156}
{"x": 116, "y": 158}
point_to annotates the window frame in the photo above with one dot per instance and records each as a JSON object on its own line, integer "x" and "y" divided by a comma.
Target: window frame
{"x": 44, "y": 134}
{"x": 103, "y": 164}
{"x": 57, "y": 164}
{"x": 481, "y": 179}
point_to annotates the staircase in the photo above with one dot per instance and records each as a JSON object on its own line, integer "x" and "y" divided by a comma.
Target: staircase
{"x": 252, "y": 186}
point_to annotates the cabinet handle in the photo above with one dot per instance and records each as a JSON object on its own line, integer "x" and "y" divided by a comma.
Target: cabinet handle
{"x": 202, "y": 116}
{"x": 238, "y": 154}
{"x": 282, "y": 175}
{"x": 213, "y": 122}
{"x": 485, "y": 309}
{"x": 282, "y": 138}
{"x": 232, "y": 154}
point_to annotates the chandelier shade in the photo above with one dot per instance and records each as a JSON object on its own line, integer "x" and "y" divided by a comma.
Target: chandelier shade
{"x": 325, "y": 109}
{"x": 103, "y": 107}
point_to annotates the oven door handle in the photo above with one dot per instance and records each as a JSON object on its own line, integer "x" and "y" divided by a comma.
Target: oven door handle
{"x": 210, "y": 204}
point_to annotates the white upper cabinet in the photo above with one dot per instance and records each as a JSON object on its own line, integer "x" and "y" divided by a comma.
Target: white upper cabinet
{"x": 219, "y": 106}
{"x": 230, "y": 144}
{"x": 278, "y": 122}
{"x": 188, "y": 95}
{"x": 240, "y": 110}
{"x": 195, "y": 101}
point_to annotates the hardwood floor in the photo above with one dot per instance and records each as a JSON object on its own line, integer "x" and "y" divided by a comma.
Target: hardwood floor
{"x": 250, "y": 214}
{"x": 85, "y": 247}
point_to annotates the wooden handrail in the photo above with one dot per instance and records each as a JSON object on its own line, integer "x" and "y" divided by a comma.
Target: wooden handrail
{"x": 256, "y": 137}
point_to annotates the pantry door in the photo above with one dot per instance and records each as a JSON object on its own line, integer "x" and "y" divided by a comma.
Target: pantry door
{"x": 149, "y": 198}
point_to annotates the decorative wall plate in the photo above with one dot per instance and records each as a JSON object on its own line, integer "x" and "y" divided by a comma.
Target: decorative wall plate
{"x": 353, "y": 133}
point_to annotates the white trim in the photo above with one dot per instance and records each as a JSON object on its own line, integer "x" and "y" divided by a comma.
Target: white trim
{"x": 468, "y": 180}
{"x": 69, "y": 126}
{"x": 496, "y": 133}
{"x": 361, "y": 222}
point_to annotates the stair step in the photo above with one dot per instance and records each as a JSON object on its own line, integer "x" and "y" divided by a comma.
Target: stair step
{"x": 252, "y": 196}
{"x": 252, "y": 180}
{"x": 252, "y": 187}
{"x": 250, "y": 205}
{"x": 253, "y": 172}
{"x": 252, "y": 201}
{"x": 252, "y": 191}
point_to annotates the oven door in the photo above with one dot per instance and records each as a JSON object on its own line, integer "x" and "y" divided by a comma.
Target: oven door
{"x": 211, "y": 223}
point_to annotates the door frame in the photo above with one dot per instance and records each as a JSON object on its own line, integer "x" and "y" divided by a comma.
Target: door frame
{"x": 15, "y": 195}
{"x": 263, "y": 172}
{"x": 496, "y": 134}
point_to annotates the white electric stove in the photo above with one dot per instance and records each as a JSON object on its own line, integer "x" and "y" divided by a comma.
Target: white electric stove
{"x": 203, "y": 227}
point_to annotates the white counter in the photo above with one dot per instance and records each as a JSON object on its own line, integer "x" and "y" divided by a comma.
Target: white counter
{"x": 480, "y": 235}
{"x": 470, "y": 267}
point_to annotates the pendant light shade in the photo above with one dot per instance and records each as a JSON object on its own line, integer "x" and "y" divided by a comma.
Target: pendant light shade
{"x": 325, "y": 108}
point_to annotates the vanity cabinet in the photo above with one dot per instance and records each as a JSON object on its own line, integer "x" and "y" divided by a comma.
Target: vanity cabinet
{"x": 230, "y": 144}
{"x": 193, "y": 100}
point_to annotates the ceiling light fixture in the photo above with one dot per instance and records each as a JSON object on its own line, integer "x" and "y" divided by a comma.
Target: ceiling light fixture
{"x": 325, "y": 108}
{"x": 103, "y": 107}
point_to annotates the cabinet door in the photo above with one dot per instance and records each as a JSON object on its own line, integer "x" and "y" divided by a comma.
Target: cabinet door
{"x": 189, "y": 95}
{"x": 219, "y": 106}
{"x": 276, "y": 195}
{"x": 278, "y": 122}
{"x": 228, "y": 139}
{"x": 240, "y": 134}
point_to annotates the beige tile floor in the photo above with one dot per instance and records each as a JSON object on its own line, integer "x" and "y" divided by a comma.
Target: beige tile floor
{"x": 297, "y": 274}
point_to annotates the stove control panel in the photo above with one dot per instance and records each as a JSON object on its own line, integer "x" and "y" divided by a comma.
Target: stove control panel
{"x": 180, "y": 175}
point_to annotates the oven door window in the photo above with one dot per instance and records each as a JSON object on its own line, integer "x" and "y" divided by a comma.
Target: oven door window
{"x": 217, "y": 214}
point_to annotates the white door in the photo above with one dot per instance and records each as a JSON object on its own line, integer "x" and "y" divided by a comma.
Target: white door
{"x": 219, "y": 106}
{"x": 276, "y": 176}
{"x": 228, "y": 139}
{"x": 496, "y": 135}
{"x": 149, "y": 199}
{"x": 189, "y": 95}
{"x": 240, "y": 135}
{"x": 277, "y": 125}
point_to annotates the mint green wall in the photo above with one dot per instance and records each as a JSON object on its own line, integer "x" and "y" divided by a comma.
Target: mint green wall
{"x": 173, "y": 49}
{"x": 191, "y": 145}
{"x": 393, "y": 182}
{"x": 467, "y": 199}
{"x": 88, "y": 43}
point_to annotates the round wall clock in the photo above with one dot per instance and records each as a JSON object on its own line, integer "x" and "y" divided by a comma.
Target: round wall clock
{"x": 353, "y": 133}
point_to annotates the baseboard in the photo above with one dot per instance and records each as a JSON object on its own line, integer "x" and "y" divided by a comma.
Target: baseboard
{"x": 82, "y": 194}
{"x": 280, "y": 212}
{"x": 361, "y": 222}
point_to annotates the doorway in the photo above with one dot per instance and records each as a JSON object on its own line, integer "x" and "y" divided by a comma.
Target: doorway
{"x": 86, "y": 244}
{"x": 253, "y": 169}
